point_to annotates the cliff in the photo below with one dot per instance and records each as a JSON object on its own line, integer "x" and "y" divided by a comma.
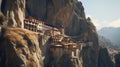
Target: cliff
{"x": 19, "y": 48}
{"x": 104, "y": 58}
{"x": 14, "y": 10}
{"x": 117, "y": 60}
{"x": 30, "y": 49}
{"x": 70, "y": 14}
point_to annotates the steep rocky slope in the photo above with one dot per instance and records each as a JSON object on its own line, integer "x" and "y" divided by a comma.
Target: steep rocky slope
{"x": 28, "y": 48}
{"x": 14, "y": 10}
{"x": 117, "y": 60}
{"x": 67, "y": 13}
{"x": 19, "y": 48}
{"x": 104, "y": 58}
{"x": 70, "y": 14}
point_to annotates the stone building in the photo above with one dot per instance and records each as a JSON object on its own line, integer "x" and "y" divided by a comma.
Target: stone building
{"x": 39, "y": 26}
{"x": 33, "y": 24}
{"x": 71, "y": 49}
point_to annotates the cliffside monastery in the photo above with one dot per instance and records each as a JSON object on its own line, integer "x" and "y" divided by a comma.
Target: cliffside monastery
{"x": 60, "y": 44}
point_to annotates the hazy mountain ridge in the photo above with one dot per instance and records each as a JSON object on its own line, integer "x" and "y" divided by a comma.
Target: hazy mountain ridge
{"x": 111, "y": 33}
{"x": 106, "y": 42}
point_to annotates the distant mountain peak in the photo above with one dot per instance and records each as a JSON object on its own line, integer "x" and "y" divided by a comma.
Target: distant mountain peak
{"x": 111, "y": 33}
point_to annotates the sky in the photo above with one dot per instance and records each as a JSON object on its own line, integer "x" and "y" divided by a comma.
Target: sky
{"x": 104, "y": 13}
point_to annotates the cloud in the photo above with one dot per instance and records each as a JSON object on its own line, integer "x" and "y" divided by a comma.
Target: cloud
{"x": 100, "y": 24}
{"x": 115, "y": 23}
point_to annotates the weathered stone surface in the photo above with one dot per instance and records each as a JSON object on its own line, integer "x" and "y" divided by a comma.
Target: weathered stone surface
{"x": 36, "y": 8}
{"x": 66, "y": 61}
{"x": 14, "y": 10}
{"x": 3, "y": 19}
{"x": 104, "y": 59}
{"x": 117, "y": 60}
{"x": 88, "y": 56}
{"x": 19, "y": 48}
{"x": 0, "y": 4}
{"x": 67, "y": 13}
{"x": 70, "y": 14}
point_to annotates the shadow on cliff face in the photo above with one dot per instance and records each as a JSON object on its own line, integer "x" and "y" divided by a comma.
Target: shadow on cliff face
{"x": 7, "y": 49}
{"x": 88, "y": 55}
{"x": 117, "y": 60}
{"x": 47, "y": 53}
{"x": 66, "y": 61}
{"x": 104, "y": 59}
{"x": 2, "y": 54}
{"x": 3, "y": 5}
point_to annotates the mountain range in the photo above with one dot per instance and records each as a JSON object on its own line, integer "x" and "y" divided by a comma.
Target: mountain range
{"x": 111, "y": 33}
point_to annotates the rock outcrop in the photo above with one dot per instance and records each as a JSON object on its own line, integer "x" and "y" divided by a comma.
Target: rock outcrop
{"x": 28, "y": 49}
{"x": 70, "y": 14}
{"x": 67, "y": 13}
{"x": 14, "y": 10}
{"x": 117, "y": 60}
{"x": 19, "y": 48}
{"x": 3, "y": 19}
{"x": 104, "y": 59}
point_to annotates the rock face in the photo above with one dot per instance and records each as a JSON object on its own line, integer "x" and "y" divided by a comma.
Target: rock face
{"x": 68, "y": 14}
{"x": 19, "y": 48}
{"x": 14, "y": 10}
{"x": 67, "y": 62}
{"x": 36, "y": 8}
{"x": 62, "y": 56}
{"x": 117, "y": 60}
{"x": 104, "y": 60}
{"x": 0, "y": 4}
{"x": 3, "y": 19}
